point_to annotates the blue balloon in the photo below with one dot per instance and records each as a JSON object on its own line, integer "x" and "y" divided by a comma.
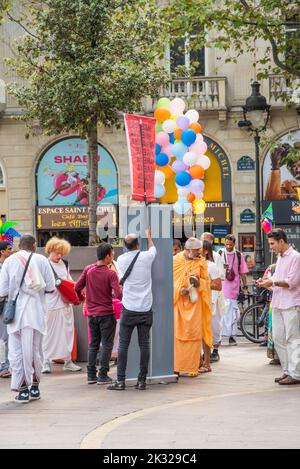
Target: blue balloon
{"x": 159, "y": 190}
{"x": 157, "y": 149}
{"x": 183, "y": 178}
{"x": 162, "y": 159}
{"x": 172, "y": 138}
{"x": 188, "y": 137}
{"x": 179, "y": 150}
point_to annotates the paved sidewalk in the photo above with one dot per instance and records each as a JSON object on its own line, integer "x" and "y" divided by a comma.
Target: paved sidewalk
{"x": 237, "y": 405}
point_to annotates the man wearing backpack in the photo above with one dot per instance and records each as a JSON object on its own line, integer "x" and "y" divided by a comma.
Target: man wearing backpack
{"x": 235, "y": 269}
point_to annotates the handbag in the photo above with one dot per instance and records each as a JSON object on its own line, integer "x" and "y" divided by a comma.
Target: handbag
{"x": 129, "y": 269}
{"x": 67, "y": 289}
{"x": 9, "y": 310}
{"x": 229, "y": 272}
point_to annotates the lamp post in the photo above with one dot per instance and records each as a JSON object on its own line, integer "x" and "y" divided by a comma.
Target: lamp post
{"x": 256, "y": 113}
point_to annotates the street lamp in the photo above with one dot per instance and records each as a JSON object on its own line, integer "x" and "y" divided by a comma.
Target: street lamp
{"x": 256, "y": 113}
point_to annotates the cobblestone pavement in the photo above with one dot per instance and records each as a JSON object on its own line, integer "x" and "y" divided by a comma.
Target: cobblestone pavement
{"x": 237, "y": 405}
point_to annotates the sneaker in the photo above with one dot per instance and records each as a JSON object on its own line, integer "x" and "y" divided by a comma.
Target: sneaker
{"x": 264, "y": 344}
{"x": 70, "y": 366}
{"x": 22, "y": 397}
{"x": 117, "y": 386}
{"x": 232, "y": 341}
{"x": 104, "y": 380}
{"x": 92, "y": 379}
{"x": 46, "y": 367}
{"x": 5, "y": 373}
{"x": 34, "y": 393}
{"x": 214, "y": 356}
{"x": 141, "y": 385}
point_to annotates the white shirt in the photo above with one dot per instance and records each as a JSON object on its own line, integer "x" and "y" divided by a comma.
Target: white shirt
{"x": 220, "y": 264}
{"x": 31, "y": 304}
{"x": 213, "y": 272}
{"x": 137, "y": 289}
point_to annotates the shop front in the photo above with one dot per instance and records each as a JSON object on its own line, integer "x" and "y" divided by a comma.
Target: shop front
{"x": 62, "y": 192}
{"x": 281, "y": 186}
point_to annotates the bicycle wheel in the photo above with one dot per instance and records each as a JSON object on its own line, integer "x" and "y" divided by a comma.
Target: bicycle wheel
{"x": 249, "y": 323}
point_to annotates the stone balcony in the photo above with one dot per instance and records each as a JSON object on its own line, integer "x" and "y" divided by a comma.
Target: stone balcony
{"x": 279, "y": 90}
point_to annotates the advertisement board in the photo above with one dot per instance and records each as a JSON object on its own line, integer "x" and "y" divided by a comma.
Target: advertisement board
{"x": 62, "y": 172}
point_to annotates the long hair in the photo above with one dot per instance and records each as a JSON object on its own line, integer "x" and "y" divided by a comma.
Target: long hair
{"x": 209, "y": 250}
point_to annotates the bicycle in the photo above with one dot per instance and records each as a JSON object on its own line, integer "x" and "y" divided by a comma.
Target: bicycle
{"x": 253, "y": 318}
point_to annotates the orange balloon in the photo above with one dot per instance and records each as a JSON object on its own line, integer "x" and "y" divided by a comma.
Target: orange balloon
{"x": 162, "y": 114}
{"x": 177, "y": 134}
{"x": 196, "y": 171}
{"x": 196, "y": 127}
{"x": 190, "y": 197}
{"x": 167, "y": 170}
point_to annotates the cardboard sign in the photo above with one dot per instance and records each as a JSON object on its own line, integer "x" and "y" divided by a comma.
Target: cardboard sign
{"x": 140, "y": 132}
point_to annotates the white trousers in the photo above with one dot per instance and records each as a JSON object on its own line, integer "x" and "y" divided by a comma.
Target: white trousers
{"x": 216, "y": 324}
{"x": 286, "y": 336}
{"x": 230, "y": 318}
{"x": 25, "y": 357}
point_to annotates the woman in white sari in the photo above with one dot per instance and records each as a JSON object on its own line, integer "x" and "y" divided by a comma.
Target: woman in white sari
{"x": 59, "y": 339}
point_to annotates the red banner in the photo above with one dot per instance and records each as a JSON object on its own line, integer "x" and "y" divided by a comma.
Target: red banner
{"x": 140, "y": 132}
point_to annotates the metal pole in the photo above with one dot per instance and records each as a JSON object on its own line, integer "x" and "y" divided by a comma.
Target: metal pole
{"x": 259, "y": 262}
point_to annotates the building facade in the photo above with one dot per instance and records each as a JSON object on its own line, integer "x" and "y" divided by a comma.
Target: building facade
{"x": 217, "y": 94}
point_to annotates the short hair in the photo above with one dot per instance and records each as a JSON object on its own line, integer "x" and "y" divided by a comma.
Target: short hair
{"x": 58, "y": 244}
{"x": 208, "y": 233}
{"x": 103, "y": 250}
{"x": 177, "y": 242}
{"x": 4, "y": 245}
{"x": 27, "y": 242}
{"x": 230, "y": 237}
{"x": 278, "y": 234}
{"x": 132, "y": 242}
{"x": 207, "y": 246}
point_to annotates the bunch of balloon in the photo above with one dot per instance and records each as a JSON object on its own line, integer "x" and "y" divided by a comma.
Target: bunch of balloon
{"x": 180, "y": 149}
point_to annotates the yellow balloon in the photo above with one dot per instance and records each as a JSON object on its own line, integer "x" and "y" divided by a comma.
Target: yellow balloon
{"x": 199, "y": 206}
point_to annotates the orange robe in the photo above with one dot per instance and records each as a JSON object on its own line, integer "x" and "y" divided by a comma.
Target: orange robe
{"x": 192, "y": 321}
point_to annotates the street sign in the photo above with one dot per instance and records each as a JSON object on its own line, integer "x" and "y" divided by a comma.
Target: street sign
{"x": 247, "y": 216}
{"x": 246, "y": 163}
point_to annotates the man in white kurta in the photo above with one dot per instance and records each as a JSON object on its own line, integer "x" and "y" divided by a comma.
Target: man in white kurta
{"x": 27, "y": 329}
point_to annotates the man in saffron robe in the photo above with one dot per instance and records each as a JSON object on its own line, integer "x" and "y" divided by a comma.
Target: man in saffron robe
{"x": 192, "y": 309}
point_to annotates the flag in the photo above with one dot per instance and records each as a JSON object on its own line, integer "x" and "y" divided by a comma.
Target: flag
{"x": 267, "y": 219}
{"x": 268, "y": 213}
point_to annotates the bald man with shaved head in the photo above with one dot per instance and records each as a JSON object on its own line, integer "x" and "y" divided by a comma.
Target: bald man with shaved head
{"x": 137, "y": 306}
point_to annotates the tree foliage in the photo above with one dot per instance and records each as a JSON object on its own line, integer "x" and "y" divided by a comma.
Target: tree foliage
{"x": 235, "y": 26}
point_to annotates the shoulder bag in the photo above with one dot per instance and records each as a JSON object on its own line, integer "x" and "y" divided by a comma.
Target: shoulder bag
{"x": 9, "y": 310}
{"x": 129, "y": 269}
{"x": 66, "y": 288}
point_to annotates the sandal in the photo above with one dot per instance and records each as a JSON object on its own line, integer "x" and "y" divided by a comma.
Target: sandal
{"x": 204, "y": 369}
{"x": 192, "y": 375}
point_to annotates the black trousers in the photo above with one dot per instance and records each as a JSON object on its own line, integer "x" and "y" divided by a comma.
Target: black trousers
{"x": 102, "y": 329}
{"x": 143, "y": 323}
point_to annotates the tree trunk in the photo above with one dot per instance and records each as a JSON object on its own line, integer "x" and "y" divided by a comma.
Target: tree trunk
{"x": 92, "y": 145}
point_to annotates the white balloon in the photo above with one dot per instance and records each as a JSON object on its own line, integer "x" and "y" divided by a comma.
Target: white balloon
{"x": 199, "y": 195}
{"x": 177, "y": 106}
{"x": 199, "y": 138}
{"x": 203, "y": 161}
{"x": 190, "y": 158}
{"x": 182, "y": 191}
{"x": 159, "y": 177}
{"x": 192, "y": 115}
{"x": 169, "y": 126}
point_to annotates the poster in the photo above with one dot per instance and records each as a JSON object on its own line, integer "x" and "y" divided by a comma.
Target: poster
{"x": 140, "y": 132}
{"x": 247, "y": 248}
{"x": 62, "y": 175}
{"x": 281, "y": 169}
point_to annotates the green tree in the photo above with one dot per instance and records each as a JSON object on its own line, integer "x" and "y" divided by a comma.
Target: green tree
{"x": 84, "y": 62}
{"x": 235, "y": 25}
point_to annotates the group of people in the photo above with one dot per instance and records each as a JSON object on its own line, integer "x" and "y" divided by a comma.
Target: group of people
{"x": 207, "y": 285}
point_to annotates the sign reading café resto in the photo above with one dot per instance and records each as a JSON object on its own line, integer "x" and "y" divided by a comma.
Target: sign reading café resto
{"x": 69, "y": 218}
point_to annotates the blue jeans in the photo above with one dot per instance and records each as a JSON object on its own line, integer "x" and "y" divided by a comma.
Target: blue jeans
{"x": 143, "y": 323}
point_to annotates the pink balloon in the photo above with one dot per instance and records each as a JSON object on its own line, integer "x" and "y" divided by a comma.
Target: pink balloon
{"x": 177, "y": 106}
{"x": 199, "y": 147}
{"x": 163, "y": 139}
{"x": 167, "y": 150}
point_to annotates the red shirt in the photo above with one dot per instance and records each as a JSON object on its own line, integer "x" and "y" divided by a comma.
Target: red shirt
{"x": 99, "y": 282}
